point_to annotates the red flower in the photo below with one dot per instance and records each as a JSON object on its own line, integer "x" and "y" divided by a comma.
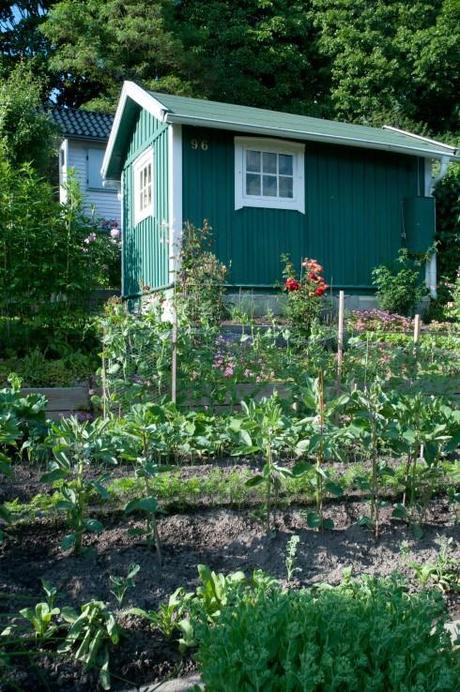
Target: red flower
{"x": 313, "y": 277}
{"x": 312, "y": 265}
{"x": 322, "y": 288}
{"x": 291, "y": 284}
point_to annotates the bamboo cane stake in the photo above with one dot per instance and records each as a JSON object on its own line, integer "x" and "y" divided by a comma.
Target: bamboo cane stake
{"x": 416, "y": 329}
{"x": 340, "y": 334}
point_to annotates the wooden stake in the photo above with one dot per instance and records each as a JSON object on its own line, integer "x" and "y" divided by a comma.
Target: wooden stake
{"x": 416, "y": 329}
{"x": 174, "y": 360}
{"x": 340, "y": 334}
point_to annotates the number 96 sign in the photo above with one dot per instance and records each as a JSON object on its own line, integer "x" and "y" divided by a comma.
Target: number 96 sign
{"x": 199, "y": 144}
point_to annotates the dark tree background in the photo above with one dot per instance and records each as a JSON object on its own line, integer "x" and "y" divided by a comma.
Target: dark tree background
{"x": 363, "y": 61}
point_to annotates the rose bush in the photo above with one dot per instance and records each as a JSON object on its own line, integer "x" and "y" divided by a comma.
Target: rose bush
{"x": 304, "y": 294}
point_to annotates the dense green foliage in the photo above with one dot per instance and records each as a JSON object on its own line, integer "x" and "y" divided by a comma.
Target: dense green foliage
{"x": 51, "y": 257}
{"x": 27, "y": 135}
{"x": 399, "y": 288}
{"x": 365, "y": 61}
{"x": 364, "y": 635}
{"x": 447, "y": 195}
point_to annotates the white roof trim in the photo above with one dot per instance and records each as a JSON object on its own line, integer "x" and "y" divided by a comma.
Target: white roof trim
{"x": 145, "y": 100}
{"x": 301, "y": 134}
{"x": 423, "y": 139}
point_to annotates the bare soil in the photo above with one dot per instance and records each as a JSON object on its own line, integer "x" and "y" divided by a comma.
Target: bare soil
{"x": 223, "y": 539}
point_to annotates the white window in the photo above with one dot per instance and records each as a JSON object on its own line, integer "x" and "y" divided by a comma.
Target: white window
{"x": 269, "y": 173}
{"x": 143, "y": 186}
{"x": 94, "y": 163}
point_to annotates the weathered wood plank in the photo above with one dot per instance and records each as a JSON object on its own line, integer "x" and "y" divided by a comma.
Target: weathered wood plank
{"x": 65, "y": 399}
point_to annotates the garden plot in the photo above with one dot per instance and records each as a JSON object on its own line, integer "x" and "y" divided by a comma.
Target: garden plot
{"x": 127, "y": 534}
{"x": 224, "y": 540}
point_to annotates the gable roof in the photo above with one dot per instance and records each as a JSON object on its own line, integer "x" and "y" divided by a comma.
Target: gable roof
{"x": 226, "y": 116}
{"x": 81, "y": 124}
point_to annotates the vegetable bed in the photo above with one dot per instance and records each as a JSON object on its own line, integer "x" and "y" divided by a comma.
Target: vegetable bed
{"x": 225, "y": 540}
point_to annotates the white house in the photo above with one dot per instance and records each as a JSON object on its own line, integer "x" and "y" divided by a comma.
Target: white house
{"x": 84, "y": 138}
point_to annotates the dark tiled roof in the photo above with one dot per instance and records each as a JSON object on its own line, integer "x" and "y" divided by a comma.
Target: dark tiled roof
{"x": 81, "y": 123}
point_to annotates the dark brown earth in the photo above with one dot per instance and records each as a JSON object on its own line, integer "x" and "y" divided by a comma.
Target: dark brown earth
{"x": 224, "y": 540}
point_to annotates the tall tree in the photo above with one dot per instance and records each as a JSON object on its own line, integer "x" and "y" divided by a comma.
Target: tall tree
{"x": 20, "y": 35}
{"x": 255, "y": 52}
{"x": 392, "y": 60}
{"x": 99, "y": 43}
{"x": 26, "y": 133}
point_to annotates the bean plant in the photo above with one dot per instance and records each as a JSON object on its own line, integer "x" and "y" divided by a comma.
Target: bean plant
{"x": 323, "y": 439}
{"x": 146, "y": 471}
{"x": 75, "y": 447}
{"x": 121, "y": 584}
{"x": 371, "y": 421}
{"x": 261, "y": 430}
{"x": 422, "y": 433}
{"x": 92, "y": 634}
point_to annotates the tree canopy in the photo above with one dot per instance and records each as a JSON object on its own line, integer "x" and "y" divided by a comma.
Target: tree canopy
{"x": 366, "y": 61}
{"x": 363, "y": 61}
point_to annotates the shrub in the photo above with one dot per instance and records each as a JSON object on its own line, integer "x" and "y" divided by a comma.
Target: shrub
{"x": 364, "y": 635}
{"x": 201, "y": 277}
{"x": 26, "y": 132}
{"x": 453, "y": 306}
{"x": 304, "y": 294}
{"x": 399, "y": 288}
{"x": 50, "y": 259}
{"x": 447, "y": 195}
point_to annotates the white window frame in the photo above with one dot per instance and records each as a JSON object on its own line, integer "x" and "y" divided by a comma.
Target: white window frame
{"x": 139, "y": 164}
{"x": 273, "y": 146}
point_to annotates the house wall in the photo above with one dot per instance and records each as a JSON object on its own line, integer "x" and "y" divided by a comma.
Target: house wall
{"x": 353, "y": 204}
{"x": 146, "y": 245}
{"x": 76, "y": 156}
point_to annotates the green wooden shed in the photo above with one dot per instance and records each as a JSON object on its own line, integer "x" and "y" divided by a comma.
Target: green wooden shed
{"x": 268, "y": 183}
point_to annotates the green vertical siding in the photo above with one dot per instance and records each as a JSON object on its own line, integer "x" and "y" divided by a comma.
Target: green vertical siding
{"x": 353, "y": 203}
{"x": 145, "y": 246}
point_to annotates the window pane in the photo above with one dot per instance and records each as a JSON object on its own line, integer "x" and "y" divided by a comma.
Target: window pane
{"x": 286, "y": 187}
{"x": 270, "y": 186}
{"x": 252, "y": 184}
{"x": 285, "y": 164}
{"x": 269, "y": 163}
{"x": 253, "y": 160}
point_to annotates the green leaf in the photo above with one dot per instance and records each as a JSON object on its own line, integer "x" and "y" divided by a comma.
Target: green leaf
{"x": 302, "y": 447}
{"x": 94, "y": 525}
{"x": 55, "y": 475}
{"x": 68, "y": 542}
{"x": 300, "y": 468}
{"x": 313, "y": 520}
{"x": 246, "y": 438}
{"x": 328, "y": 524}
{"x": 64, "y": 506}
{"x": 365, "y": 521}
{"x": 5, "y": 465}
{"x": 400, "y": 512}
{"x": 334, "y": 488}
{"x": 104, "y": 675}
{"x": 144, "y": 504}
{"x": 255, "y": 480}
